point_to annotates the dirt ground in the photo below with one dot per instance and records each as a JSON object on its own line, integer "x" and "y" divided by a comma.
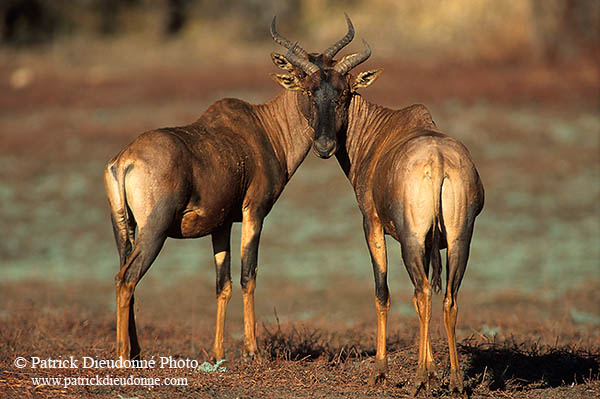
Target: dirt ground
{"x": 530, "y": 303}
{"x": 512, "y": 344}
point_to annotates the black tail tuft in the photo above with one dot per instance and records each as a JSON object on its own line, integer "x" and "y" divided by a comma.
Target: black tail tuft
{"x": 436, "y": 265}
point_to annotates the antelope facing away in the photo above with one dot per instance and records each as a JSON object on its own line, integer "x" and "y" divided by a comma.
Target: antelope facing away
{"x": 229, "y": 166}
{"x": 420, "y": 186}
{"x": 412, "y": 182}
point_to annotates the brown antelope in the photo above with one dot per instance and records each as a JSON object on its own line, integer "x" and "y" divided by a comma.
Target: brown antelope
{"x": 412, "y": 182}
{"x": 229, "y": 166}
{"x": 420, "y": 186}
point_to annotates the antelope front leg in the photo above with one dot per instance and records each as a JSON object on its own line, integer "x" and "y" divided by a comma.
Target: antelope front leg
{"x": 376, "y": 242}
{"x": 251, "y": 228}
{"x": 222, "y": 251}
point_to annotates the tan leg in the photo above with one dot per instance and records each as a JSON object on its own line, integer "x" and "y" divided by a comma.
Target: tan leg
{"x": 458, "y": 255}
{"x": 128, "y": 346}
{"x": 376, "y": 241}
{"x": 450, "y": 313}
{"x": 250, "y": 346}
{"x": 429, "y": 361}
{"x": 420, "y": 359}
{"x": 144, "y": 253}
{"x": 251, "y": 228}
{"x": 381, "y": 362}
{"x": 426, "y": 370}
{"x": 222, "y": 301}
{"x": 222, "y": 254}
{"x": 124, "y": 293}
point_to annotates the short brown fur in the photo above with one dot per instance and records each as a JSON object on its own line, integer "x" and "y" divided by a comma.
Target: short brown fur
{"x": 186, "y": 182}
{"x": 420, "y": 186}
{"x": 229, "y": 166}
{"x": 411, "y": 181}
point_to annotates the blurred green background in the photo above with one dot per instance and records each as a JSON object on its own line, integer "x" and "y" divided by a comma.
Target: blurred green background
{"x": 516, "y": 81}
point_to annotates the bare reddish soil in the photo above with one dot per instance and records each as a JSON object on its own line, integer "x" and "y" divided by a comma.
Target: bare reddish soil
{"x": 538, "y": 352}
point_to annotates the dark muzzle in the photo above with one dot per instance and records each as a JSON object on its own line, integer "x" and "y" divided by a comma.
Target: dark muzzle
{"x": 324, "y": 147}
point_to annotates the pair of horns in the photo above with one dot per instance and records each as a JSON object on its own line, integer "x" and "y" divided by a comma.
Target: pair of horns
{"x": 298, "y": 57}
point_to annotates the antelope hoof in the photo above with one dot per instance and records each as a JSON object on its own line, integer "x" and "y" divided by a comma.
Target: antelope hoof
{"x": 376, "y": 379}
{"x": 456, "y": 383}
{"x": 379, "y": 371}
{"x": 426, "y": 381}
{"x": 251, "y": 354}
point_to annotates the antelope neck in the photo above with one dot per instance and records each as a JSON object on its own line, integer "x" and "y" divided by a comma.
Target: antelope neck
{"x": 287, "y": 129}
{"x": 365, "y": 127}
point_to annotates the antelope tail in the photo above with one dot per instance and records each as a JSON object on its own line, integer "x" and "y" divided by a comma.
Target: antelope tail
{"x": 123, "y": 224}
{"x": 437, "y": 179}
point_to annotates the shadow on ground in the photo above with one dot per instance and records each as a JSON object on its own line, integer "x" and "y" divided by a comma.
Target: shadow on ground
{"x": 516, "y": 366}
{"x": 502, "y": 367}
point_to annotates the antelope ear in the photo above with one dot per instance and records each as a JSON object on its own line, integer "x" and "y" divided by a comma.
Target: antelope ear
{"x": 281, "y": 62}
{"x": 287, "y": 81}
{"x": 365, "y": 78}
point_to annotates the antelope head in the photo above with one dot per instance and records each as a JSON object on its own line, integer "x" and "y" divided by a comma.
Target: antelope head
{"x": 326, "y": 85}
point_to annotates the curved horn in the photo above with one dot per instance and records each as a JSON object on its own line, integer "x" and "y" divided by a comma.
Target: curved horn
{"x": 343, "y": 42}
{"x": 308, "y": 67}
{"x": 285, "y": 42}
{"x": 351, "y": 61}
